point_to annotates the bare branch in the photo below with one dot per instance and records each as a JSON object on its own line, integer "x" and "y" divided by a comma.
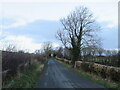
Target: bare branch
{"x": 78, "y": 31}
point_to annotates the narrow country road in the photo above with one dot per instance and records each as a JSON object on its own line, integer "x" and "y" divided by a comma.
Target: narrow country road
{"x": 57, "y": 75}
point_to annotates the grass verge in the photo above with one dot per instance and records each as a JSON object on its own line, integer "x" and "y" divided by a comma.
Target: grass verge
{"x": 27, "y": 78}
{"x": 91, "y": 77}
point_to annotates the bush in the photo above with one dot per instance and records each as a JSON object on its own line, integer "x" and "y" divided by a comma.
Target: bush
{"x": 78, "y": 64}
{"x": 13, "y": 62}
{"x": 113, "y": 73}
{"x": 108, "y": 72}
{"x": 103, "y": 70}
{"x": 85, "y": 66}
{"x": 91, "y": 68}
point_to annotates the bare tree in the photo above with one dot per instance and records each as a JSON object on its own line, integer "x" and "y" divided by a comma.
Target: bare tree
{"x": 59, "y": 52}
{"x": 37, "y": 51}
{"x": 11, "y": 48}
{"x": 100, "y": 51}
{"x": 47, "y": 48}
{"x": 114, "y": 52}
{"x": 66, "y": 53}
{"x": 78, "y": 31}
{"x": 108, "y": 52}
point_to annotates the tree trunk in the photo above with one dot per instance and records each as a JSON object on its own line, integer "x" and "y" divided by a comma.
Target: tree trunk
{"x": 75, "y": 56}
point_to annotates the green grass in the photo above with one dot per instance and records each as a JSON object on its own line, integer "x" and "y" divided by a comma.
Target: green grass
{"x": 91, "y": 77}
{"x": 27, "y": 78}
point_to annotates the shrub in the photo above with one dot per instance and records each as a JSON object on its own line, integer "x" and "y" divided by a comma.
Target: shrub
{"x": 108, "y": 72}
{"x": 91, "y": 68}
{"x": 85, "y": 66}
{"x": 114, "y": 73}
{"x": 17, "y": 61}
{"x": 78, "y": 64}
{"x": 103, "y": 69}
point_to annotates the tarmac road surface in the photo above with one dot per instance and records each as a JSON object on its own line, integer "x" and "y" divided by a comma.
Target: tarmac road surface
{"x": 57, "y": 75}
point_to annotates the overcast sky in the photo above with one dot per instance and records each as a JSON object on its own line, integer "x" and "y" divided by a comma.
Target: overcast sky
{"x": 29, "y": 23}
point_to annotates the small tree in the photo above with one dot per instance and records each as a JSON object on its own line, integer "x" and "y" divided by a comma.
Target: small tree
{"x": 100, "y": 51}
{"x": 108, "y": 52}
{"x": 37, "y": 51}
{"x": 11, "y": 48}
{"x": 47, "y": 48}
{"x": 59, "y": 52}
